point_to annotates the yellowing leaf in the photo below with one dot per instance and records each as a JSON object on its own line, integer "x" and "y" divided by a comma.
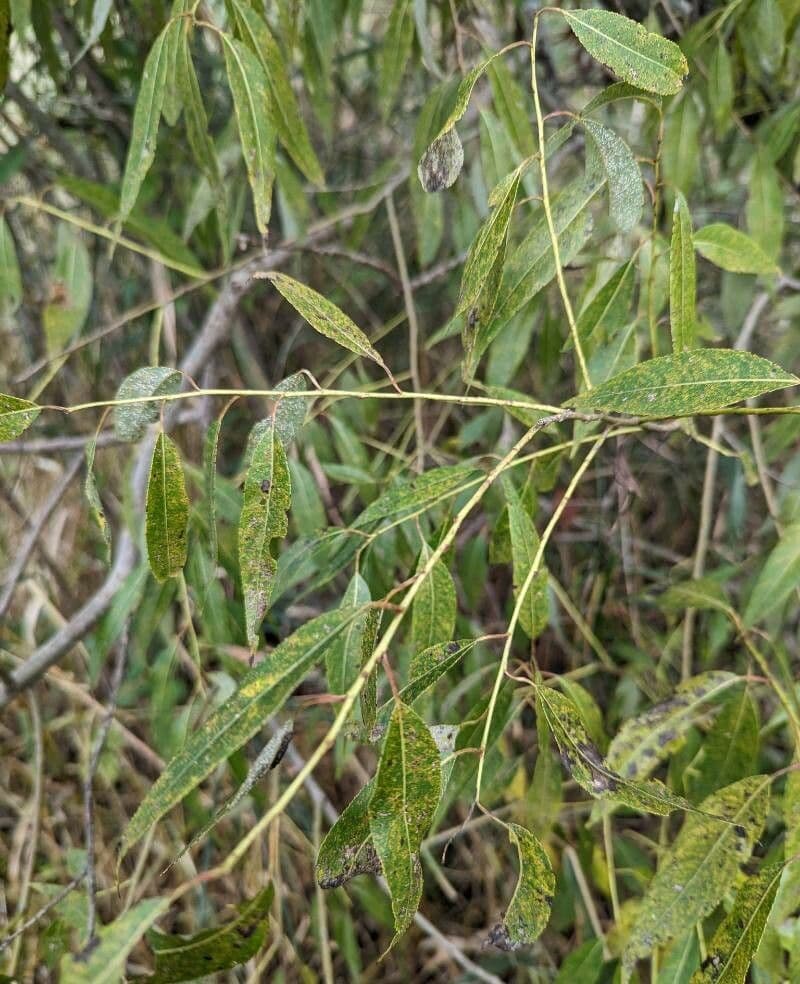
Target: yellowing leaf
{"x": 251, "y": 100}
{"x": 406, "y": 792}
{"x": 167, "y": 511}
{"x": 626, "y": 198}
{"x": 16, "y": 416}
{"x": 131, "y": 419}
{"x": 629, "y": 50}
{"x": 698, "y": 869}
{"x": 433, "y": 613}
{"x": 730, "y": 249}
{"x": 735, "y": 942}
{"x": 266, "y": 500}
{"x": 682, "y": 280}
{"x": 686, "y": 383}
{"x": 261, "y": 692}
{"x": 529, "y": 909}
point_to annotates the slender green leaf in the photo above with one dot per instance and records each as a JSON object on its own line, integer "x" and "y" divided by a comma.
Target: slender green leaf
{"x": 347, "y": 850}
{"x": 16, "y": 416}
{"x": 200, "y": 142}
{"x": 735, "y": 942}
{"x": 682, "y": 280}
{"x": 252, "y": 102}
{"x": 524, "y": 547}
{"x": 266, "y": 501}
{"x": 584, "y": 964}
{"x": 610, "y": 307}
{"x": 700, "y": 866}
{"x": 131, "y": 420}
{"x": 700, "y": 593}
{"x": 286, "y": 116}
{"x": 105, "y": 964}
{"x": 188, "y": 958}
{"x": 100, "y": 11}
{"x": 626, "y": 197}
{"x": 529, "y": 910}
{"x": 720, "y": 87}
{"x": 686, "y": 383}
{"x": 343, "y": 658}
{"x": 682, "y": 959}
{"x": 368, "y": 698}
{"x": 70, "y": 290}
{"x": 406, "y": 792}
{"x": 418, "y": 494}
{"x": 261, "y": 692}
{"x": 146, "y": 117}
{"x": 431, "y": 664}
{"x": 93, "y": 499}
{"x": 764, "y": 209}
{"x": 730, "y": 747}
{"x": 167, "y": 511}
{"x": 732, "y": 250}
{"x": 395, "y": 52}
{"x": 290, "y": 413}
{"x": 629, "y": 50}
{"x": 210, "y": 451}
{"x": 433, "y": 613}
{"x": 779, "y": 576}
{"x": 10, "y": 277}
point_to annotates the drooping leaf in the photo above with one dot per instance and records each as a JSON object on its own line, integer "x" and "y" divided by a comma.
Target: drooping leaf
{"x": 395, "y": 52}
{"x": 210, "y": 451}
{"x": 735, "y": 942}
{"x": 406, "y": 792}
{"x": 10, "y": 278}
{"x": 100, "y": 11}
{"x": 70, "y": 290}
{"x": 251, "y": 100}
{"x": 698, "y": 593}
{"x": 342, "y": 660}
{"x": 290, "y": 412}
{"x": 587, "y": 767}
{"x": 93, "y": 499}
{"x": 347, "y": 850}
{"x": 682, "y": 280}
{"x": 261, "y": 692}
{"x": 524, "y": 547}
{"x": 610, "y": 308}
{"x": 368, "y": 698}
{"x": 433, "y": 612}
{"x": 730, "y": 249}
{"x": 265, "y": 503}
{"x": 645, "y": 740}
{"x": 529, "y": 910}
{"x": 324, "y": 316}
{"x": 131, "y": 420}
{"x": 286, "y": 116}
{"x": 686, "y": 383}
{"x": 700, "y": 866}
{"x": 146, "y": 117}
{"x": 779, "y": 576}
{"x": 105, "y": 964}
{"x": 200, "y": 141}
{"x": 187, "y": 958}
{"x": 626, "y": 198}
{"x": 16, "y": 416}
{"x": 430, "y": 664}
{"x": 167, "y": 511}
{"x": 680, "y": 154}
{"x": 441, "y": 164}
{"x": 730, "y": 747}
{"x": 629, "y": 50}
{"x": 488, "y": 245}
{"x": 418, "y": 494}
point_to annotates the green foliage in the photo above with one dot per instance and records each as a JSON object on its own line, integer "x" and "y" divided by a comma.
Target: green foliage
{"x": 166, "y": 511}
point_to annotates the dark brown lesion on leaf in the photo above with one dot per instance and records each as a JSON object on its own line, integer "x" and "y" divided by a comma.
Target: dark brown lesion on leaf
{"x": 499, "y": 937}
{"x": 359, "y": 859}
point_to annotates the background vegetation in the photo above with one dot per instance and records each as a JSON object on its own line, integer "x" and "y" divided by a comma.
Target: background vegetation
{"x": 512, "y": 598}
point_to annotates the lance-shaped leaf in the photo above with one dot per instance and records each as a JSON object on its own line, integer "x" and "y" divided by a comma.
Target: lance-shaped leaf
{"x": 644, "y": 741}
{"x": 626, "y": 198}
{"x": 682, "y": 279}
{"x": 685, "y": 383}
{"x": 396, "y": 51}
{"x": 583, "y": 761}
{"x": 105, "y": 964}
{"x": 210, "y": 451}
{"x": 131, "y": 419}
{"x": 529, "y": 910}
{"x": 406, "y": 496}
{"x": 167, "y": 511}
{"x": 286, "y": 116}
{"x": 200, "y": 141}
{"x": 290, "y": 412}
{"x": 100, "y": 11}
{"x": 266, "y": 501}
{"x": 324, "y": 316}
{"x": 16, "y": 416}
{"x": 735, "y": 942}
{"x": 609, "y": 309}
{"x": 342, "y": 661}
{"x": 188, "y": 958}
{"x": 406, "y": 792}
{"x": 262, "y": 691}
{"x": 730, "y": 747}
{"x": 489, "y": 244}
{"x": 146, "y": 117}
{"x": 432, "y": 663}
{"x": 10, "y": 277}
{"x": 251, "y": 100}
{"x": 347, "y": 850}
{"x": 682, "y": 959}
{"x": 368, "y": 698}
{"x": 732, "y": 250}
{"x": 524, "y": 547}
{"x": 779, "y": 576}
{"x": 433, "y": 613}
{"x": 267, "y": 759}
{"x": 93, "y": 499}
{"x": 702, "y": 592}
{"x": 629, "y": 50}
{"x": 700, "y": 866}
{"x": 70, "y": 290}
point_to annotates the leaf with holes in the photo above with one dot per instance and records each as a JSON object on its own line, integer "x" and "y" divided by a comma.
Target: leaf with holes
{"x": 529, "y": 909}
{"x": 406, "y": 792}
{"x": 166, "y": 512}
{"x": 686, "y": 383}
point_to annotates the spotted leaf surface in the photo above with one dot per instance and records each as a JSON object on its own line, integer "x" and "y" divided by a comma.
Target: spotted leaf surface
{"x": 406, "y": 793}
{"x": 167, "y": 511}
{"x": 433, "y": 613}
{"x": 432, "y": 663}
{"x": 686, "y": 383}
{"x": 626, "y": 198}
{"x": 347, "y": 850}
{"x": 16, "y": 416}
{"x": 700, "y": 866}
{"x": 342, "y": 661}
{"x": 682, "y": 279}
{"x": 529, "y": 909}
{"x": 524, "y": 548}
{"x": 131, "y": 419}
{"x": 421, "y": 493}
